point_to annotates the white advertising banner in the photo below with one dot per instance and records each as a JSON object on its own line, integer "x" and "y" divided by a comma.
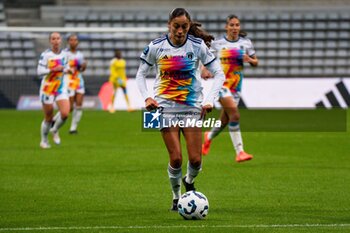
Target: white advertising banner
{"x": 295, "y": 93}
{"x": 270, "y": 93}
{"x": 32, "y": 102}
{"x": 257, "y": 93}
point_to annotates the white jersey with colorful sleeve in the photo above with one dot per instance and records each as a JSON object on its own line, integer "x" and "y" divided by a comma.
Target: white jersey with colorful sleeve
{"x": 53, "y": 83}
{"x": 178, "y": 78}
{"x": 75, "y": 80}
{"x": 231, "y": 54}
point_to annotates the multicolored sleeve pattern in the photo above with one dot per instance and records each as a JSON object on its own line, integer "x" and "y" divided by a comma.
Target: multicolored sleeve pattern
{"x": 232, "y": 64}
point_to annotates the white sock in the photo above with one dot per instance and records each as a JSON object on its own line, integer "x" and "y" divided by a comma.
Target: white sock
{"x": 58, "y": 123}
{"x": 77, "y": 114}
{"x": 56, "y": 116}
{"x": 45, "y": 128}
{"x": 192, "y": 172}
{"x": 214, "y": 132}
{"x": 236, "y": 137}
{"x": 175, "y": 175}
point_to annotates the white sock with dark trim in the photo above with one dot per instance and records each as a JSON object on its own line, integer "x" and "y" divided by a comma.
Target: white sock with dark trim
{"x": 76, "y": 117}
{"x": 236, "y": 136}
{"x": 175, "y": 175}
{"x": 192, "y": 172}
{"x": 44, "y": 130}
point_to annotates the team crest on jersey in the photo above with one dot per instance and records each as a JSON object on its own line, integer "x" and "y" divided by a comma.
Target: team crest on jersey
{"x": 146, "y": 50}
{"x": 190, "y": 55}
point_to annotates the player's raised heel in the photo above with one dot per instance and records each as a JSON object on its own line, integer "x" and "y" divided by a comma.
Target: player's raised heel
{"x": 206, "y": 144}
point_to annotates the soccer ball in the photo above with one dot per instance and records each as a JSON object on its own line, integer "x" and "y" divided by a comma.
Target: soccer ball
{"x": 193, "y": 205}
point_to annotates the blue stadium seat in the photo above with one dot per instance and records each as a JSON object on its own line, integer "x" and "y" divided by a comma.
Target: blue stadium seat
{"x": 20, "y": 71}
{"x": 29, "y": 54}
{"x": 8, "y": 71}
{"x": 108, "y": 54}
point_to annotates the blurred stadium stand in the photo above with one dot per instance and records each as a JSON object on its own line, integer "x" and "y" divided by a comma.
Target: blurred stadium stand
{"x": 291, "y": 39}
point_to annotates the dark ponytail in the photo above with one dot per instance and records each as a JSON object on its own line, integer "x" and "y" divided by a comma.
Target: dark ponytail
{"x": 197, "y": 31}
{"x": 195, "y": 27}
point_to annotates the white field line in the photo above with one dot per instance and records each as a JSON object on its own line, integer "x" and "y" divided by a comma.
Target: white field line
{"x": 178, "y": 227}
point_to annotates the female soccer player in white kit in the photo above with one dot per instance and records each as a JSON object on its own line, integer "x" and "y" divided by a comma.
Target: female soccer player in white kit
{"x": 76, "y": 85}
{"x": 233, "y": 50}
{"x": 178, "y": 88}
{"x": 52, "y": 68}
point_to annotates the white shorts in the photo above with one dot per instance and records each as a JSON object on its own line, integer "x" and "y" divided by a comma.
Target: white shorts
{"x": 180, "y": 119}
{"x": 170, "y": 105}
{"x": 72, "y": 92}
{"x": 178, "y": 115}
{"x": 50, "y": 99}
{"x": 61, "y": 93}
{"x": 225, "y": 92}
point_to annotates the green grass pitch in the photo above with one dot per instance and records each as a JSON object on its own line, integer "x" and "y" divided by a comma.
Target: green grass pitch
{"x": 112, "y": 177}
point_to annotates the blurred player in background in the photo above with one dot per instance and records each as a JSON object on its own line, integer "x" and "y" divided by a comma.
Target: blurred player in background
{"x": 52, "y": 66}
{"x": 76, "y": 87}
{"x": 234, "y": 50}
{"x": 178, "y": 88}
{"x": 118, "y": 79}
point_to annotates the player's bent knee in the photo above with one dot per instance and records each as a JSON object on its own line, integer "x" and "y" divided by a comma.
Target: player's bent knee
{"x": 195, "y": 162}
{"x": 235, "y": 117}
{"x": 64, "y": 115}
{"x": 176, "y": 163}
{"x": 224, "y": 123}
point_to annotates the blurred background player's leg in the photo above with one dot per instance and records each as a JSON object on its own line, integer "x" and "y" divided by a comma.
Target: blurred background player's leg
{"x": 61, "y": 117}
{"x": 130, "y": 109}
{"x": 110, "y": 107}
{"x": 210, "y": 135}
{"x": 45, "y": 125}
{"x": 77, "y": 113}
{"x": 76, "y": 117}
{"x": 44, "y": 130}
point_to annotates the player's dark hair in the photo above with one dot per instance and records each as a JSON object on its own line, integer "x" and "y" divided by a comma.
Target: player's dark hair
{"x": 71, "y": 35}
{"x": 53, "y": 33}
{"x": 195, "y": 27}
{"x": 241, "y": 32}
{"x": 117, "y": 53}
{"x": 197, "y": 31}
{"x": 177, "y": 12}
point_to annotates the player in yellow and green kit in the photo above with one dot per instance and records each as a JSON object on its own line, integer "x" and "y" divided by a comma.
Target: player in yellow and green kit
{"x": 118, "y": 78}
